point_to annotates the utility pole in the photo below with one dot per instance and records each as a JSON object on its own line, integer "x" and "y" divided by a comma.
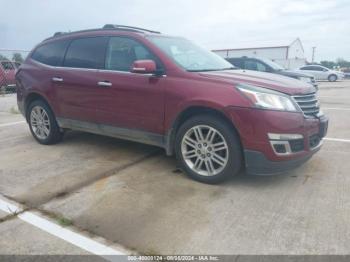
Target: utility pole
{"x": 313, "y": 54}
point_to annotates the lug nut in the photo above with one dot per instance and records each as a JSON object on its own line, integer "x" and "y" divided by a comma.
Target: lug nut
{"x": 199, "y": 145}
{"x": 209, "y": 148}
{"x": 205, "y": 144}
{"x": 203, "y": 156}
{"x": 208, "y": 155}
{"x": 198, "y": 151}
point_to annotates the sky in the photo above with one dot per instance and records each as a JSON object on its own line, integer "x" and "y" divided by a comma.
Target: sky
{"x": 214, "y": 24}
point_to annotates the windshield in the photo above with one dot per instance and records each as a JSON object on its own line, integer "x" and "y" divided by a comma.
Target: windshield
{"x": 190, "y": 56}
{"x": 274, "y": 65}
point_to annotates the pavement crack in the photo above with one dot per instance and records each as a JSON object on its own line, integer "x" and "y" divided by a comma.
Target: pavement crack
{"x": 68, "y": 191}
{"x": 8, "y": 217}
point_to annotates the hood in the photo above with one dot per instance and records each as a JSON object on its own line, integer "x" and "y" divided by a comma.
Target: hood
{"x": 291, "y": 73}
{"x": 275, "y": 82}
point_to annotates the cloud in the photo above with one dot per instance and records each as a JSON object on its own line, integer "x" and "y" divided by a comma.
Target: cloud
{"x": 214, "y": 24}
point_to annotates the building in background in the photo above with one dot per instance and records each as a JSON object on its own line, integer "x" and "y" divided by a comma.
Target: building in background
{"x": 289, "y": 54}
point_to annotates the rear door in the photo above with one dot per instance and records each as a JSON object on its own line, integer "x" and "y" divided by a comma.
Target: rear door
{"x": 130, "y": 100}
{"x": 76, "y": 82}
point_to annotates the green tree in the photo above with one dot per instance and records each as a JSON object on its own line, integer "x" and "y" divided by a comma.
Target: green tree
{"x": 17, "y": 57}
{"x": 343, "y": 63}
{"x": 328, "y": 64}
{"x": 2, "y": 57}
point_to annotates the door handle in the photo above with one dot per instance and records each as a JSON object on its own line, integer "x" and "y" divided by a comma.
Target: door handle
{"x": 57, "y": 79}
{"x": 104, "y": 84}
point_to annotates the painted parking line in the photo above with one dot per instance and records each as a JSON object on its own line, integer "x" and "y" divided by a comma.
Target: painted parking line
{"x": 79, "y": 240}
{"x": 13, "y": 123}
{"x": 337, "y": 139}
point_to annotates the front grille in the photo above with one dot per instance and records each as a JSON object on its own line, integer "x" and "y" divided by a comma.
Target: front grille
{"x": 308, "y": 104}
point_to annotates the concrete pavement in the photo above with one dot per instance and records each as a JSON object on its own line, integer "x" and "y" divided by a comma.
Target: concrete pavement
{"x": 131, "y": 194}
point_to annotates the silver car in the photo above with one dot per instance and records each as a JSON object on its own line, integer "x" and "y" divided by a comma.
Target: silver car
{"x": 322, "y": 73}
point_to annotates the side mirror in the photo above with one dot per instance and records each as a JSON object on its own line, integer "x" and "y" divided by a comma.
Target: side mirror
{"x": 144, "y": 67}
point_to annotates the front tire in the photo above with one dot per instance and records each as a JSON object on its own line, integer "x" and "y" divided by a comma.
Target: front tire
{"x": 42, "y": 123}
{"x": 208, "y": 149}
{"x": 332, "y": 78}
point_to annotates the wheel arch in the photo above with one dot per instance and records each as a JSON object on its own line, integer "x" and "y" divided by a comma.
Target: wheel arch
{"x": 188, "y": 113}
{"x": 32, "y": 97}
{"x": 332, "y": 74}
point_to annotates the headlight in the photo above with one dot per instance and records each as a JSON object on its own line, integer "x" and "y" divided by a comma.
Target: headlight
{"x": 305, "y": 79}
{"x": 268, "y": 99}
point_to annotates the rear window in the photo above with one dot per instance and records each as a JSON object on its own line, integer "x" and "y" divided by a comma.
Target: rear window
{"x": 51, "y": 54}
{"x": 7, "y": 65}
{"x": 87, "y": 53}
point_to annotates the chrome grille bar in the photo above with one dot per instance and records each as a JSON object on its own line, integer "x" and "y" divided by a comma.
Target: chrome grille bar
{"x": 308, "y": 103}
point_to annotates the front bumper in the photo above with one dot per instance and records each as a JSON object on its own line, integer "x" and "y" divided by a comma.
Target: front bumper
{"x": 257, "y": 164}
{"x": 254, "y": 125}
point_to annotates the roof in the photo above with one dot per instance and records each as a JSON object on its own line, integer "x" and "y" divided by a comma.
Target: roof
{"x": 107, "y": 27}
{"x": 261, "y": 44}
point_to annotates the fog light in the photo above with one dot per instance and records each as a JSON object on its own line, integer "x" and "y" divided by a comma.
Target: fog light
{"x": 281, "y": 147}
{"x": 285, "y": 144}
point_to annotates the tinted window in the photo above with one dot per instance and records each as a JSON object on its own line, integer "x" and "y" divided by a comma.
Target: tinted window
{"x": 86, "y": 53}
{"x": 317, "y": 68}
{"x": 51, "y": 53}
{"x": 250, "y": 65}
{"x": 313, "y": 68}
{"x": 122, "y": 52}
{"x": 236, "y": 62}
{"x": 306, "y": 68}
{"x": 261, "y": 67}
{"x": 7, "y": 65}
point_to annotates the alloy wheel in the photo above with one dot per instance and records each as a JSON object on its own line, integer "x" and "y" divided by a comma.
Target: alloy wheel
{"x": 204, "y": 150}
{"x": 40, "y": 122}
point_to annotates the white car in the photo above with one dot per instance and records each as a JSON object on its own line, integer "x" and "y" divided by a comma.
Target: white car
{"x": 322, "y": 73}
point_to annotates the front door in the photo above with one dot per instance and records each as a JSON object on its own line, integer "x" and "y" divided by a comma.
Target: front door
{"x": 130, "y": 100}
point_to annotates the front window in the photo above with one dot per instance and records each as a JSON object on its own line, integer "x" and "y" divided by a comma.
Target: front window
{"x": 190, "y": 56}
{"x": 272, "y": 64}
{"x": 122, "y": 52}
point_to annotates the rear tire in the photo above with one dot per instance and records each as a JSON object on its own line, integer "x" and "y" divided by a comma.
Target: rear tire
{"x": 332, "y": 78}
{"x": 208, "y": 149}
{"x": 42, "y": 123}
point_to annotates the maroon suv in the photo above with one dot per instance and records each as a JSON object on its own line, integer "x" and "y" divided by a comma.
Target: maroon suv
{"x": 140, "y": 85}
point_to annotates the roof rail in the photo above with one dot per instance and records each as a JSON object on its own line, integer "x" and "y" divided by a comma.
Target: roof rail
{"x": 131, "y": 28}
{"x": 58, "y": 33}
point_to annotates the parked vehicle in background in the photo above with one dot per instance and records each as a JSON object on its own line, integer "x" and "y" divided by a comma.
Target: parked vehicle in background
{"x": 322, "y": 73}
{"x": 7, "y": 75}
{"x": 16, "y": 64}
{"x": 140, "y": 85}
{"x": 267, "y": 65}
{"x": 346, "y": 72}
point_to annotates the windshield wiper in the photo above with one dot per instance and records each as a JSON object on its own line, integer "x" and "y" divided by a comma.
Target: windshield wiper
{"x": 208, "y": 70}
{"x": 230, "y": 68}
